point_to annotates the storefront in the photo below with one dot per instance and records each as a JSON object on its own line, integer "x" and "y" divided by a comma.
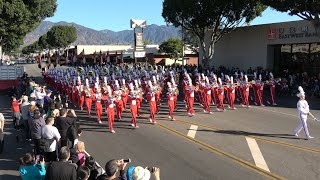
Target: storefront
{"x": 289, "y": 45}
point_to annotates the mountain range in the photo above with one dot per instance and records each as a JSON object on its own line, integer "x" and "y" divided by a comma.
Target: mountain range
{"x": 85, "y": 36}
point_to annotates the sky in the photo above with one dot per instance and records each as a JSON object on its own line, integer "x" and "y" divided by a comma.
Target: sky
{"x": 116, "y": 14}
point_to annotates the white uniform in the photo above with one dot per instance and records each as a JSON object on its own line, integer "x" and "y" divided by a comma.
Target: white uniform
{"x": 303, "y": 111}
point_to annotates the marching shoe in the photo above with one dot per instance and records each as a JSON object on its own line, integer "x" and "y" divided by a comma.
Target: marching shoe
{"x": 296, "y": 135}
{"x": 169, "y": 117}
{"x": 136, "y": 126}
{"x": 173, "y": 119}
{"x": 112, "y": 131}
{"x": 274, "y": 104}
{"x": 210, "y": 112}
{"x": 192, "y": 114}
{"x": 255, "y": 104}
{"x": 204, "y": 111}
{"x": 99, "y": 122}
{"x": 189, "y": 114}
{"x": 132, "y": 125}
{"x": 150, "y": 119}
{"x": 262, "y": 105}
{"x": 310, "y": 137}
{"x": 268, "y": 102}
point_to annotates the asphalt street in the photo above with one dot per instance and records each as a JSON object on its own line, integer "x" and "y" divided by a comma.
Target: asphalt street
{"x": 240, "y": 144}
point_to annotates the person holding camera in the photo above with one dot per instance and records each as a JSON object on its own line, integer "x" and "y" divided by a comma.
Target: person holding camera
{"x": 51, "y": 133}
{"x": 112, "y": 167}
{"x": 15, "y": 106}
{"x": 29, "y": 169}
{"x": 65, "y": 123}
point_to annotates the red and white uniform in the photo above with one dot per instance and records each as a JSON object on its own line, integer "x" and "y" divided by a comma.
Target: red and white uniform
{"x": 231, "y": 95}
{"x": 207, "y": 97}
{"x": 110, "y": 111}
{"x": 151, "y": 96}
{"x": 272, "y": 85}
{"x": 190, "y": 99}
{"x": 171, "y": 103}
{"x": 133, "y": 108}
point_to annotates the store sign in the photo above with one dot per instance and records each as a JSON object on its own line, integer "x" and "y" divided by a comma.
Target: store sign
{"x": 290, "y": 33}
{"x": 139, "y": 54}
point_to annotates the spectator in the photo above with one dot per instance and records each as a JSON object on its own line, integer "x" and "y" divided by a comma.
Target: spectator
{"x": 25, "y": 116}
{"x": 83, "y": 173}
{"x": 52, "y": 133}
{"x": 15, "y": 105}
{"x": 62, "y": 169}
{"x": 1, "y": 132}
{"x": 40, "y": 94}
{"x": 47, "y": 100}
{"x": 95, "y": 171}
{"x": 29, "y": 169}
{"x": 32, "y": 107}
{"x": 32, "y": 97}
{"x": 78, "y": 155}
{"x": 63, "y": 123}
{"x": 30, "y": 88}
{"x": 140, "y": 173}
{"x": 112, "y": 167}
{"x": 36, "y": 127}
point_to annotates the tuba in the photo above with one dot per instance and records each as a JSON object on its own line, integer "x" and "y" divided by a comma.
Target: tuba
{"x": 80, "y": 70}
{"x": 90, "y": 73}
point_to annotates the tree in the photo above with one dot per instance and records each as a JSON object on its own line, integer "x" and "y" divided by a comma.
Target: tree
{"x": 32, "y": 48}
{"x": 172, "y": 47}
{"x": 18, "y": 17}
{"x": 305, "y": 9}
{"x": 43, "y": 42}
{"x": 210, "y": 20}
{"x": 61, "y": 36}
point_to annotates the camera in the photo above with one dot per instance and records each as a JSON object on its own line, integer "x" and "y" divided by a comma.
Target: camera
{"x": 151, "y": 169}
{"x": 127, "y": 160}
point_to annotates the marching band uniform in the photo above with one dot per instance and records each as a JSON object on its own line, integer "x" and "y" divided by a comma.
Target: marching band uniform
{"x": 303, "y": 111}
{"x": 221, "y": 90}
{"x": 231, "y": 94}
{"x": 151, "y": 96}
{"x": 88, "y": 97}
{"x": 98, "y": 97}
{"x": 124, "y": 95}
{"x": 118, "y": 100}
{"x": 272, "y": 84}
{"x": 133, "y": 106}
{"x": 246, "y": 88}
{"x": 81, "y": 96}
{"x": 207, "y": 96}
{"x": 171, "y": 101}
{"x": 190, "y": 98}
{"x": 110, "y": 112}
{"x": 259, "y": 91}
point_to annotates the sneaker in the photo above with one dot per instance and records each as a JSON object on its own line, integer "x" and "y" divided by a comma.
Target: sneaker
{"x": 218, "y": 109}
{"x": 234, "y": 108}
{"x": 204, "y": 111}
{"x": 262, "y": 105}
{"x": 193, "y": 114}
{"x": 296, "y": 135}
{"x": 132, "y": 125}
{"x": 210, "y": 112}
{"x": 189, "y": 114}
{"x": 310, "y": 137}
{"x": 99, "y": 122}
{"x": 173, "y": 119}
{"x": 169, "y": 117}
{"x": 150, "y": 119}
{"x": 229, "y": 107}
{"x": 136, "y": 126}
{"x": 154, "y": 122}
{"x": 112, "y": 131}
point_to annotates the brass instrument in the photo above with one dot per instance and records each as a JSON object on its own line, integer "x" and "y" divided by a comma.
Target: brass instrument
{"x": 87, "y": 91}
{"x": 91, "y": 73}
{"x": 106, "y": 71}
{"x": 80, "y": 70}
{"x": 197, "y": 87}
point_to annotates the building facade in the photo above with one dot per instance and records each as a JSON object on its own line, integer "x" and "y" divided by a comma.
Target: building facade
{"x": 276, "y": 47}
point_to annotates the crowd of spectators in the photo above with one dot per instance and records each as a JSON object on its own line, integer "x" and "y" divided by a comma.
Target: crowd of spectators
{"x": 41, "y": 118}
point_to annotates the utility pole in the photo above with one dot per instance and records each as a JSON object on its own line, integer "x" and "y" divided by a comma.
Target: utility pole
{"x": 182, "y": 41}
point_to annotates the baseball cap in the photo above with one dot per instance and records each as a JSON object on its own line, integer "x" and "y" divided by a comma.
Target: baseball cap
{"x": 48, "y": 91}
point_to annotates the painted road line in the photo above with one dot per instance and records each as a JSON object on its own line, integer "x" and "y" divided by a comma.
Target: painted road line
{"x": 215, "y": 150}
{"x": 103, "y": 171}
{"x": 192, "y": 131}
{"x": 256, "y": 154}
{"x": 308, "y": 149}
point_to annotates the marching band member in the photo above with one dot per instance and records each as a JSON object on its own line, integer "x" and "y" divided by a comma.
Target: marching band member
{"x": 119, "y": 103}
{"x": 176, "y": 93}
{"x": 245, "y": 89}
{"x": 272, "y": 84}
{"x": 221, "y": 90}
{"x": 151, "y": 96}
{"x": 259, "y": 91}
{"x": 139, "y": 99}
{"x": 207, "y": 96}
{"x": 303, "y": 111}
{"x": 133, "y": 105}
{"x": 231, "y": 93}
{"x": 98, "y": 97}
{"x": 171, "y": 100}
{"x": 190, "y": 97}
{"x": 110, "y": 109}
{"x": 81, "y": 95}
{"x": 88, "y": 97}
{"x": 124, "y": 95}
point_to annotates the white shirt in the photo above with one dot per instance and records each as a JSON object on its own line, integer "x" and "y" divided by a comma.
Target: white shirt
{"x": 303, "y": 107}
{"x": 50, "y": 132}
{"x": 40, "y": 95}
